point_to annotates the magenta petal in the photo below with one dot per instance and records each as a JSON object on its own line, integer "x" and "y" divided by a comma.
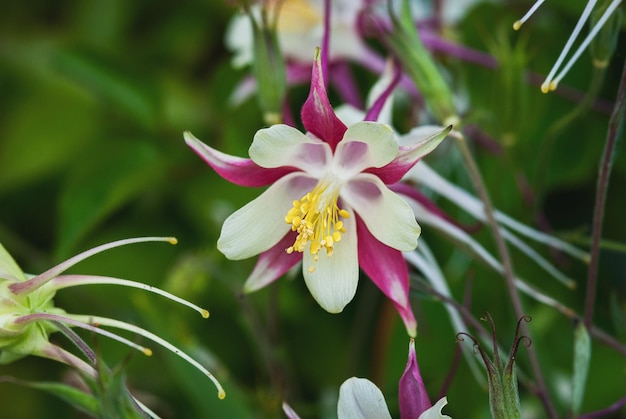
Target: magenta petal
{"x": 272, "y": 264}
{"x": 412, "y": 393}
{"x": 318, "y": 116}
{"x": 237, "y": 170}
{"x": 393, "y": 172}
{"x": 409, "y": 155}
{"x": 386, "y": 267}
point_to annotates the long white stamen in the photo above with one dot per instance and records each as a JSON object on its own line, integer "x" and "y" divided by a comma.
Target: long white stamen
{"x": 549, "y": 84}
{"x": 66, "y": 281}
{"x": 540, "y": 260}
{"x": 423, "y": 174}
{"x": 518, "y": 24}
{"x": 39, "y": 280}
{"x": 594, "y": 31}
{"x": 30, "y": 318}
{"x": 148, "y": 335}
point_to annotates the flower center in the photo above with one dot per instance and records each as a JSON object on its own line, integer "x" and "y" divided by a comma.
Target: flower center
{"x": 298, "y": 16}
{"x": 315, "y": 217}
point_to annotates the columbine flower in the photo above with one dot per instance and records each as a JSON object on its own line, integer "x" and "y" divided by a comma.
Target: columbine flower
{"x": 328, "y": 204}
{"x": 553, "y": 79}
{"x": 359, "y": 398}
{"x": 28, "y": 315}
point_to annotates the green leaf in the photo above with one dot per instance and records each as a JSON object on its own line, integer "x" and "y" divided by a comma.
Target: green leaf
{"x": 582, "y": 356}
{"x": 124, "y": 87}
{"x": 100, "y": 184}
{"x": 80, "y": 400}
{"x": 42, "y": 134}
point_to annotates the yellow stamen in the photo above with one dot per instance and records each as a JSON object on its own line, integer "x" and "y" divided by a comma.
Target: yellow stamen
{"x": 316, "y": 218}
{"x": 518, "y": 24}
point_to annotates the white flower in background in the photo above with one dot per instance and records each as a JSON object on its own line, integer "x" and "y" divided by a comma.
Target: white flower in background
{"x": 300, "y": 28}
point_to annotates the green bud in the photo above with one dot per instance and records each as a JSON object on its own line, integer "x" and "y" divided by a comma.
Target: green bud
{"x": 406, "y": 44}
{"x": 604, "y": 43}
{"x": 268, "y": 66}
{"x": 19, "y": 339}
{"x": 504, "y": 400}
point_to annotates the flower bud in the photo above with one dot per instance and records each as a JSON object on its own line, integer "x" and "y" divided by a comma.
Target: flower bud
{"x": 503, "y": 391}
{"x": 268, "y": 65}
{"x": 405, "y": 43}
{"x": 603, "y": 45}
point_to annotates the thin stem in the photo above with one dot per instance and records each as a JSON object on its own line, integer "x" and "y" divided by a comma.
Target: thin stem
{"x": 616, "y": 127}
{"x": 507, "y": 265}
{"x": 597, "y": 333}
{"x": 601, "y": 413}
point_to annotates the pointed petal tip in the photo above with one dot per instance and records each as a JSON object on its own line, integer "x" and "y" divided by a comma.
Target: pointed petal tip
{"x": 412, "y": 332}
{"x": 189, "y": 138}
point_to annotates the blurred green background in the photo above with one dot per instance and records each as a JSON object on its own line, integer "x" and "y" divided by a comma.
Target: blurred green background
{"x": 94, "y": 98}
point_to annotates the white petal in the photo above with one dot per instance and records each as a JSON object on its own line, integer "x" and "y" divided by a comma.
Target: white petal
{"x": 239, "y": 39}
{"x": 365, "y": 144}
{"x": 333, "y": 282}
{"x": 260, "y": 224}
{"x": 348, "y": 114}
{"x": 418, "y": 134}
{"x": 435, "y": 411}
{"x": 387, "y": 216}
{"x": 282, "y": 145}
{"x": 359, "y": 398}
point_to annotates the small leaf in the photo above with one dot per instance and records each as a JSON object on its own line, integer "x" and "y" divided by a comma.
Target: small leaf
{"x": 8, "y": 267}
{"x": 582, "y": 356}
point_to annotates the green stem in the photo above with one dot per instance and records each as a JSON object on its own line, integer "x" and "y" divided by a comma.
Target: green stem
{"x": 507, "y": 265}
{"x": 616, "y": 128}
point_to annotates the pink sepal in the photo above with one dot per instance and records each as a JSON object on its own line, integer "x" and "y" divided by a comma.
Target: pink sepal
{"x": 317, "y": 115}
{"x": 412, "y": 393}
{"x": 272, "y": 264}
{"x": 386, "y": 267}
{"x": 238, "y": 170}
{"x": 393, "y": 172}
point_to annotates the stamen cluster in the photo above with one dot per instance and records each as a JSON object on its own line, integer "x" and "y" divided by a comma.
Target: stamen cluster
{"x": 315, "y": 217}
